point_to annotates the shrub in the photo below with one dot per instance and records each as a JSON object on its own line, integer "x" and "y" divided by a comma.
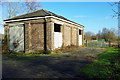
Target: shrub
{"x": 40, "y": 52}
{"x": 47, "y": 52}
{"x": 66, "y": 49}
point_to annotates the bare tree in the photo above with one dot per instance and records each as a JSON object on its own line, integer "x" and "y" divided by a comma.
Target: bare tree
{"x": 31, "y": 5}
{"x": 12, "y": 9}
{"x": 108, "y": 34}
{"x": 0, "y": 3}
{"x": 114, "y": 5}
{"x": 17, "y": 8}
{"x": 88, "y": 35}
{"x": 117, "y": 14}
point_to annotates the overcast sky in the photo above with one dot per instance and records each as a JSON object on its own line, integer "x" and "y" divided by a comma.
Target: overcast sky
{"x": 93, "y": 15}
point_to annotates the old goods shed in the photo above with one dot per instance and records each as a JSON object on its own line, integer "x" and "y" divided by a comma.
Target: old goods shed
{"x": 42, "y": 30}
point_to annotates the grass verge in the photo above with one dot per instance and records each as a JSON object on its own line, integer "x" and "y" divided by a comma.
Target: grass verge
{"x": 27, "y": 55}
{"x": 107, "y": 65}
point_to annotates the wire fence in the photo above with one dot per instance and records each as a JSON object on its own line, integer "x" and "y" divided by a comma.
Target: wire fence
{"x": 95, "y": 43}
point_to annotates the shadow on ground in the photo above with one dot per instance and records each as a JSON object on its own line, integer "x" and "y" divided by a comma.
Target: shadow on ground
{"x": 57, "y": 66}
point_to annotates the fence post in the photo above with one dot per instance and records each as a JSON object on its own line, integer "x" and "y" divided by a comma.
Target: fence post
{"x": 109, "y": 43}
{"x": 86, "y": 43}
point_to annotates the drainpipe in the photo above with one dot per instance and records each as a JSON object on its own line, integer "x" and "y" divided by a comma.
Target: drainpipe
{"x": 45, "y": 33}
{"x": 24, "y": 38}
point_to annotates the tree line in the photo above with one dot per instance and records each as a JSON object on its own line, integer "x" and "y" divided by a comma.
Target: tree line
{"x": 106, "y": 34}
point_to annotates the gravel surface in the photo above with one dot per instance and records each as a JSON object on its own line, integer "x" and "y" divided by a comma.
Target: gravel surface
{"x": 63, "y": 65}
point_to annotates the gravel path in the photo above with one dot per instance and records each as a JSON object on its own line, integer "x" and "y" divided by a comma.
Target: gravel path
{"x": 64, "y": 65}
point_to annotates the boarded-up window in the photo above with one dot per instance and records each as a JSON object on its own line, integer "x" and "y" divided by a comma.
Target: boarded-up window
{"x": 57, "y": 28}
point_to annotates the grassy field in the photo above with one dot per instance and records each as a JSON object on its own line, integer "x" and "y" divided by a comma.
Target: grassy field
{"x": 107, "y": 65}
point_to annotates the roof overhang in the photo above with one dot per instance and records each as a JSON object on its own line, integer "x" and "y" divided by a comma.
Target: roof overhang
{"x": 7, "y": 21}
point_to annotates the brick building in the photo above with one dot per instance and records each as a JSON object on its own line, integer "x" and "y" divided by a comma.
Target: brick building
{"x": 42, "y": 30}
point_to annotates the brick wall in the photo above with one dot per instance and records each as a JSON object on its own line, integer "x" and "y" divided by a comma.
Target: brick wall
{"x": 26, "y": 37}
{"x": 70, "y": 33}
{"x": 37, "y": 36}
{"x": 74, "y": 36}
{"x": 67, "y": 35}
{"x": 49, "y": 35}
{"x": 34, "y": 34}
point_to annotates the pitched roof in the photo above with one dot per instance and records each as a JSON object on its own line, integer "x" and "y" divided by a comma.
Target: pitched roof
{"x": 38, "y": 13}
